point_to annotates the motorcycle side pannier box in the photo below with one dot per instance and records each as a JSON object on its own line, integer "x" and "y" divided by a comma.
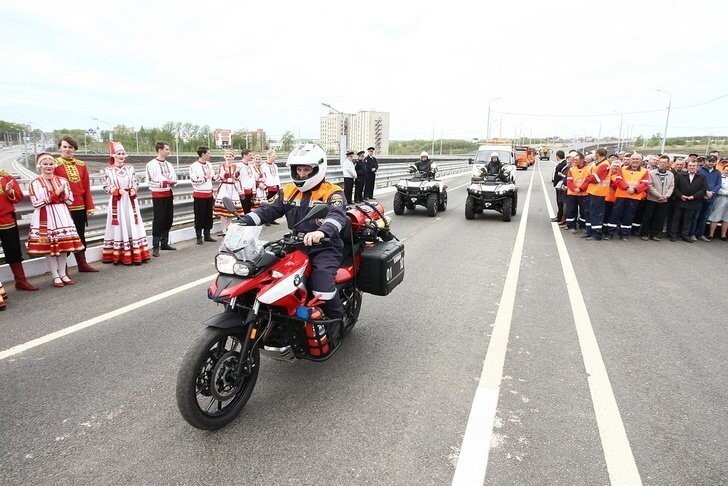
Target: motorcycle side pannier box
{"x": 382, "y": 268}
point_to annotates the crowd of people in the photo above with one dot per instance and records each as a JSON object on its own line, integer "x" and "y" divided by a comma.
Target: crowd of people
{"x": 626, "y": 194}
{"x": 62, "y": 200}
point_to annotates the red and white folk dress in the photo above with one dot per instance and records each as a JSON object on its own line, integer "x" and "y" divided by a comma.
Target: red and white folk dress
{"x": 125, "y": 240}
{"x": 228, "y": 177}
{"x": 52, "y": 230}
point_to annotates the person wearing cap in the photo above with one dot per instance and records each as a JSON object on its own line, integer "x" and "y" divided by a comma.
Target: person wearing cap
{"x": 558, "y": 181}
{"x": 372, "y": 165}
{"x": 52, "y": 229}
{"x": 125, "y": 239}
{"x": 700, "y": 218}
{"x": 201, "y": 176}
{"x": 349, "y": 173}
{"x": 76, "y": 173}
{"x": 361, "y": 176}
{"x": 576, "y": 201}
{"x": 228, "y": 175}
{"x": 307, "y": 164}
{"x": 10, "y": 195}
{"x": 161, "y": 177}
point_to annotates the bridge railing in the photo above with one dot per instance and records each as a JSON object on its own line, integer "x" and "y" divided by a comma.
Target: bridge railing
{"x": 387, "y": 175}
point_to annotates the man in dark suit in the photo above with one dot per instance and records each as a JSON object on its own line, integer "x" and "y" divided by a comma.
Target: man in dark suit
{"x": 361, "y": 177}
{"x": 690, "y": 190}
{"x": 372, "y": 165}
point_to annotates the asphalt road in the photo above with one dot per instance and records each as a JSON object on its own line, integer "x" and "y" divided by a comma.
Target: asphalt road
{"x": 97, "y": 406}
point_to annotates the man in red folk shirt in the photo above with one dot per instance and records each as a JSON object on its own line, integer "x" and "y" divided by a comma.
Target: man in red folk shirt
{"x": 76, "y": 173}
{"x": 10, "y": 195}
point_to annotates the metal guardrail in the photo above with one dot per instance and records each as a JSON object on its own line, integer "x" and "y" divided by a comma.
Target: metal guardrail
{"x": 387, "y": 175}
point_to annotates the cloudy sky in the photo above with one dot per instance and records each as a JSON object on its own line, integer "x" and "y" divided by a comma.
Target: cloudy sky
{"x": 559, "y": 67}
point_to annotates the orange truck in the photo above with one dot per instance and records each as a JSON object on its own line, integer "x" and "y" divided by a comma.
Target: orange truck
{"x": 525, "y": 156}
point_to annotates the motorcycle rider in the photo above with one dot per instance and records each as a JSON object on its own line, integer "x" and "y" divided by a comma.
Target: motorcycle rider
{"x": 307, "y": 163}
{"x": 424, "y": 164}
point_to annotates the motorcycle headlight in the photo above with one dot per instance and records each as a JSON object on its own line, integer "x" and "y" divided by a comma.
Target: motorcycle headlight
{"x": 225, "y": 263}
{"x": 241, "y": 269}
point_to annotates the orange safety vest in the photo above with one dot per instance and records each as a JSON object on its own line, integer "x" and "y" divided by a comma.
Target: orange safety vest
{"x": 600, "y": 188}
{"x": 633, "y": 178}
{"x": 577, "y": 176}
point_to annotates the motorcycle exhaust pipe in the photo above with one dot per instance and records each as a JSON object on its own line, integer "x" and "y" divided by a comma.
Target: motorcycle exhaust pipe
{"x": 279, "y": 354}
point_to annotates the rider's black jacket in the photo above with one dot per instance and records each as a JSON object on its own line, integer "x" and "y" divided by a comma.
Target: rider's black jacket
{"x": 424, "y": 165}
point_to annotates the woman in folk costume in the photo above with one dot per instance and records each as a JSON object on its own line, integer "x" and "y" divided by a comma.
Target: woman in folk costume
{"x": 259, "y": 195}
{"x": 52, "y": 230}
{"x": 228, "y": 176}
{"x": 125, "y": 240}
{"x": 246, "y": 181}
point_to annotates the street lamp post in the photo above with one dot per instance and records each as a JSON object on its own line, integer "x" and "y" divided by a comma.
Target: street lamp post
{"x": 343, "y": 147}
{"x": 667, "y": 118}
{"x": 599, "y": 135}
{"x": 487, "y": 130}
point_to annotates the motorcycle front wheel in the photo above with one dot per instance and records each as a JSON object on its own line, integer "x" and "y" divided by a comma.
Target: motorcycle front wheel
{"x": 208, "y": 393}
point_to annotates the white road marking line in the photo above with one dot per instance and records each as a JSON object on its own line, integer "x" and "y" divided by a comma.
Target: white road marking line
{"x": 473, "y": 458}
{"x": 99, "y": 319}
{"x": 621, "y": 465}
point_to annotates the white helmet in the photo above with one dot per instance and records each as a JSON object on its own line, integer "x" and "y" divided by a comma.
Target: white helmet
{"x": 494, "y": 154}
{"x": 313, "y": 156}
{"x": 424, "y": 154}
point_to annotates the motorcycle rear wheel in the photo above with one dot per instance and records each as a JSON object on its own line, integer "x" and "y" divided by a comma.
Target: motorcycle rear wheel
{"x": 207, "y": 397}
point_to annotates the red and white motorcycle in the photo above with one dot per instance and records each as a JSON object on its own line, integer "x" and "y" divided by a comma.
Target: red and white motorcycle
{"x": 269, "y": 310}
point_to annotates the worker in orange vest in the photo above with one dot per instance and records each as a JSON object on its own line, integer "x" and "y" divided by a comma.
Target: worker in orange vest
{"x": 577, "y": 184}
{"x": 631, "y": 189}
{"x": 598, "y": 189}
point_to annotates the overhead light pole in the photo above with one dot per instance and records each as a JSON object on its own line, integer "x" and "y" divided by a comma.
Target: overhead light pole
{"x": 667, "y": 119}
{"x": 599, "y": 135}
{"x": 487, "y": 130}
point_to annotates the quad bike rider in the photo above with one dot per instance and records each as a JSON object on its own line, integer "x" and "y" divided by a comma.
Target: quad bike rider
{"x": 492, "y": 188}
{"x": 422, "y": 189}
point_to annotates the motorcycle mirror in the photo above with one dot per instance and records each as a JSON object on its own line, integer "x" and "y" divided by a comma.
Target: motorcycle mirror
{"x": 318, "y": 211}
{"x": 470, "y": 160}
{"x": 229, "y": 205}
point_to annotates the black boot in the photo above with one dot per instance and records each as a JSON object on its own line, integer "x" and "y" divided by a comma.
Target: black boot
{"x": 155, "y": 246}
{"x": 208, "y": 237}
{"x": 199, "y": 236}
{"x": 165, "y": 243}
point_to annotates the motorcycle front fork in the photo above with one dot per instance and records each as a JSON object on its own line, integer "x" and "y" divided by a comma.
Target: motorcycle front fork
{"x": 249, "y": 331}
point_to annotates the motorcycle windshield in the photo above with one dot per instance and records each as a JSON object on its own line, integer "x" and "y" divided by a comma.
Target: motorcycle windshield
{"x": 243, "y": 241}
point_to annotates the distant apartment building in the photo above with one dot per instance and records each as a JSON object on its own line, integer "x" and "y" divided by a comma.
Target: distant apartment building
{"x": 364, "y": 129}
{"x": 223, "y": 137}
